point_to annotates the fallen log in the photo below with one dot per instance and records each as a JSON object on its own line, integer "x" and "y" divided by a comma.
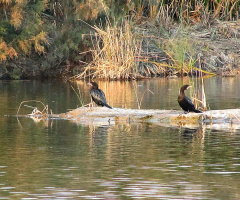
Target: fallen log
{"x": 215, "y": 119}
{"x": 104, "y": 116}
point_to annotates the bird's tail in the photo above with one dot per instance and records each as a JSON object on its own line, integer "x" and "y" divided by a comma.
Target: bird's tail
{"x": 107, "y": 106}
{"x": 197, "y": 111}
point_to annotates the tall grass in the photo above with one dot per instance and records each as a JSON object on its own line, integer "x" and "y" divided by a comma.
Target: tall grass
{"x": 199, "y": 96}
{"x": 192, "y": 11}
{"x": 119, "y": 51}
{"x": 79, "y": 95}
{"x": 115, "y": 53}
{"x": 181, "y": 52}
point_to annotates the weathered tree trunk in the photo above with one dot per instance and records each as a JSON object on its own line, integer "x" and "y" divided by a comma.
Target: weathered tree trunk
{"x": 229, "y": 118}
{"x": 217, "y": 119}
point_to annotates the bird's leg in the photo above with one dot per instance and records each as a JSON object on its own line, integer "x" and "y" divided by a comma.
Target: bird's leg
{"x": 185, "y": 112}
{"x": 91, "y": 104}
{"x": 182, "y": 114}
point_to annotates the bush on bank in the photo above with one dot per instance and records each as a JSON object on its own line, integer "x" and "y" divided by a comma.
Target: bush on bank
{"x": 46, "y": 37}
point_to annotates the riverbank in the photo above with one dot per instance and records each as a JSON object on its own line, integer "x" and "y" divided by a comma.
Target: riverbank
{"x": 151, "y": 51}
{"x": 125, "y": 40}
{"x": 148, "y": 50}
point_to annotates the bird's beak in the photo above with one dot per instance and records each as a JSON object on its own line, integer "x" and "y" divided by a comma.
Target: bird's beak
{"x": 89, "y": 84}
{"x": 189, "y": 86}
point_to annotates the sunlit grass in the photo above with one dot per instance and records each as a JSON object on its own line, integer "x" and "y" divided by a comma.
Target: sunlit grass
{"x": 115, "y": 51}
{"x": 118, "y": 53}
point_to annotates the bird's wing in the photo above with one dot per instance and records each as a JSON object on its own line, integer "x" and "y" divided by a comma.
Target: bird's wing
{"x": 98, "y": 95}
{"x": 190, "y": 102}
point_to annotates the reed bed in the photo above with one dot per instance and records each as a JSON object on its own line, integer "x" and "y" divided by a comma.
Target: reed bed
{"x": 121, "y": 51}
{"x": 116, "y": 52}
{"x": 191, "y": 11}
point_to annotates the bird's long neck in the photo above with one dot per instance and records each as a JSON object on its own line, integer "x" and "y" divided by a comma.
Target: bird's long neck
{"x": 94, "y": 87}
{"x": 182, "y": 93}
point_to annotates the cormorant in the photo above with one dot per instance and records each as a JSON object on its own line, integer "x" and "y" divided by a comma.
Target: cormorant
{"x": 185, "y": 102}
{"x": 98, "y": 95}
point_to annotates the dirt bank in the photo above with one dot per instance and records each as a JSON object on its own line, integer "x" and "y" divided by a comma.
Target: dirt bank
{"x": 221, "y": 45}
{"x": 179, "y": 50}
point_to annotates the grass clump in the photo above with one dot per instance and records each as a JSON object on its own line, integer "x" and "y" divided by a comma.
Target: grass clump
{"x": 181, "y": 51}
{"x": 115, "y": 53}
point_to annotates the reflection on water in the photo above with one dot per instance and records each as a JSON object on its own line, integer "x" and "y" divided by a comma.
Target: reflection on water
{"x": 221, "y": 93}
{"x": 58, "y": 159}
{"x": 118, "y": 162}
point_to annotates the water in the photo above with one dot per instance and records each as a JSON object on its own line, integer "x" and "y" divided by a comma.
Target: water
{"x": 59, "y": 159}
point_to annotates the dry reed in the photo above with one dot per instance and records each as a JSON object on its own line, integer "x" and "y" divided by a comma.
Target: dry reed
{"x": 116, "y": 51}
{"x": 199, "y": 95}
{"x": 36, "y": 112}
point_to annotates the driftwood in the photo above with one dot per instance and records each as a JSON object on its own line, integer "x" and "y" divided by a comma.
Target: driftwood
{"x": 216, "y": 119}
{"x": 219, "y": 119}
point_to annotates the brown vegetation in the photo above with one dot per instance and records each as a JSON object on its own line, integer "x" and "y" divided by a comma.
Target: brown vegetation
{"x": 137, "y": 52}
{"x": 131, "y": 39}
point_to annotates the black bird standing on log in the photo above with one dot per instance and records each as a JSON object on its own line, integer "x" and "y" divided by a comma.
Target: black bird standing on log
{"x": 185, "y": 102}
{"x": 98, "y": 95}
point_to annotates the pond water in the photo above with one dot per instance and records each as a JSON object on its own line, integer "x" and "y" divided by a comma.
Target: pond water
{"x": 59, "y": 159}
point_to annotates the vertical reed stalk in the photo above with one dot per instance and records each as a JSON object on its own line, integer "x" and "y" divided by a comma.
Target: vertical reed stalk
{"x": 203, "y": 96}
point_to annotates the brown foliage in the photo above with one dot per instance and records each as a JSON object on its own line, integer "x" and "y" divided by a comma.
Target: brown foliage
{"x": 6, "y": 51}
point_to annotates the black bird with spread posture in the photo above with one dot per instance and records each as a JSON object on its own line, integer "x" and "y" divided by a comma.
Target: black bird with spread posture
{"x": 98, "y": 95}
{"x": 185, "y": 102}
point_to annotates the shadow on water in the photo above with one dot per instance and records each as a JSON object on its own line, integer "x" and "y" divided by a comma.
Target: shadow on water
{"x": 58, "y": 159}
{"x": 188, "y": 133}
